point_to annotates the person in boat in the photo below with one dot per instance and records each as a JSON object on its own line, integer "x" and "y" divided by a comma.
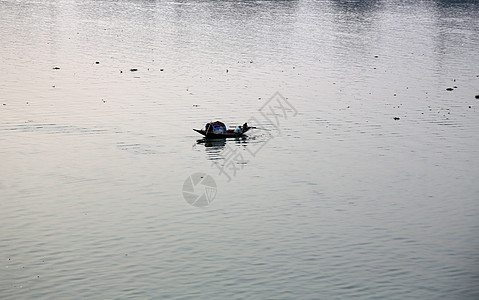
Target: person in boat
{"x": 245, "y": 127}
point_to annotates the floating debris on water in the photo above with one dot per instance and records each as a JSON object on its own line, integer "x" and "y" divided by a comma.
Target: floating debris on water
{"x": 56, "y": 68}
{"x": 396, "y": 118}
{"x": 97, "y": 62}
{"x": 477, "y": 96}
{"x": 449, "y": 89}
{"x": 133, "y": 70}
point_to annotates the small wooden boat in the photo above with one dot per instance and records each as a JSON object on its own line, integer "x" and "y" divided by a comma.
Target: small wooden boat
{"x": 217, "y": 130}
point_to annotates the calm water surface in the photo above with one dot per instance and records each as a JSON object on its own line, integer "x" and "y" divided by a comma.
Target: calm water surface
{"x": 366, "y": 187}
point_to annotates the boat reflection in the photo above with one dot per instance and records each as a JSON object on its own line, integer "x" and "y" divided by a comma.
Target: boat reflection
{"x": 220, "y": 149}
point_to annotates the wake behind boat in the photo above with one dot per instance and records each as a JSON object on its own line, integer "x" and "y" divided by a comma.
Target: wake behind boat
{"x": 218, "y": 129}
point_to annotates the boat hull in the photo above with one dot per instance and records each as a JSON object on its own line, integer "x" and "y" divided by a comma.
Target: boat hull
{"x": 212, "y": 135}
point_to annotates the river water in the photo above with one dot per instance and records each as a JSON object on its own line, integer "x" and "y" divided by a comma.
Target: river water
{"x": 361, "y": 180}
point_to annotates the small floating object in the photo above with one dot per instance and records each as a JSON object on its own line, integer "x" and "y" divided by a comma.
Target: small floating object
{"x": 56, "y": 68}
{"x": 161, "y": 70}
{"x": 133, "y": 70}
{"x": 217, "y": 130}
{"x": 97, "y": 62}
{"x": 396, "y": 118}
{"x": 477, "y": 96}
{"x": 449, "y": 89}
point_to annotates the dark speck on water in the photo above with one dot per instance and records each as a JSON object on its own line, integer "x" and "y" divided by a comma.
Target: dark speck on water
{"x": 449, "y": 89}
{"x": 133, "y": 70}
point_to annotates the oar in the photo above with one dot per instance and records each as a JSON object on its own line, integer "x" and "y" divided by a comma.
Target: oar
{"x": 254, "y": 127}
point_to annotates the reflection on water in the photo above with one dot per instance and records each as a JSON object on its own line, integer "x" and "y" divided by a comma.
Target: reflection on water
{"x": 213, "y": 147}
{"x": 217, "y": 149}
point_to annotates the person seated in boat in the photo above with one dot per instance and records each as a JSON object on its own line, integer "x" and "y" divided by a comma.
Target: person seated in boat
{"x": 245, "y": 127}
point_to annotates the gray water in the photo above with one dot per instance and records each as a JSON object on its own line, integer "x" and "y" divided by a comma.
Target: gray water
{"x": 361, "y": 182}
